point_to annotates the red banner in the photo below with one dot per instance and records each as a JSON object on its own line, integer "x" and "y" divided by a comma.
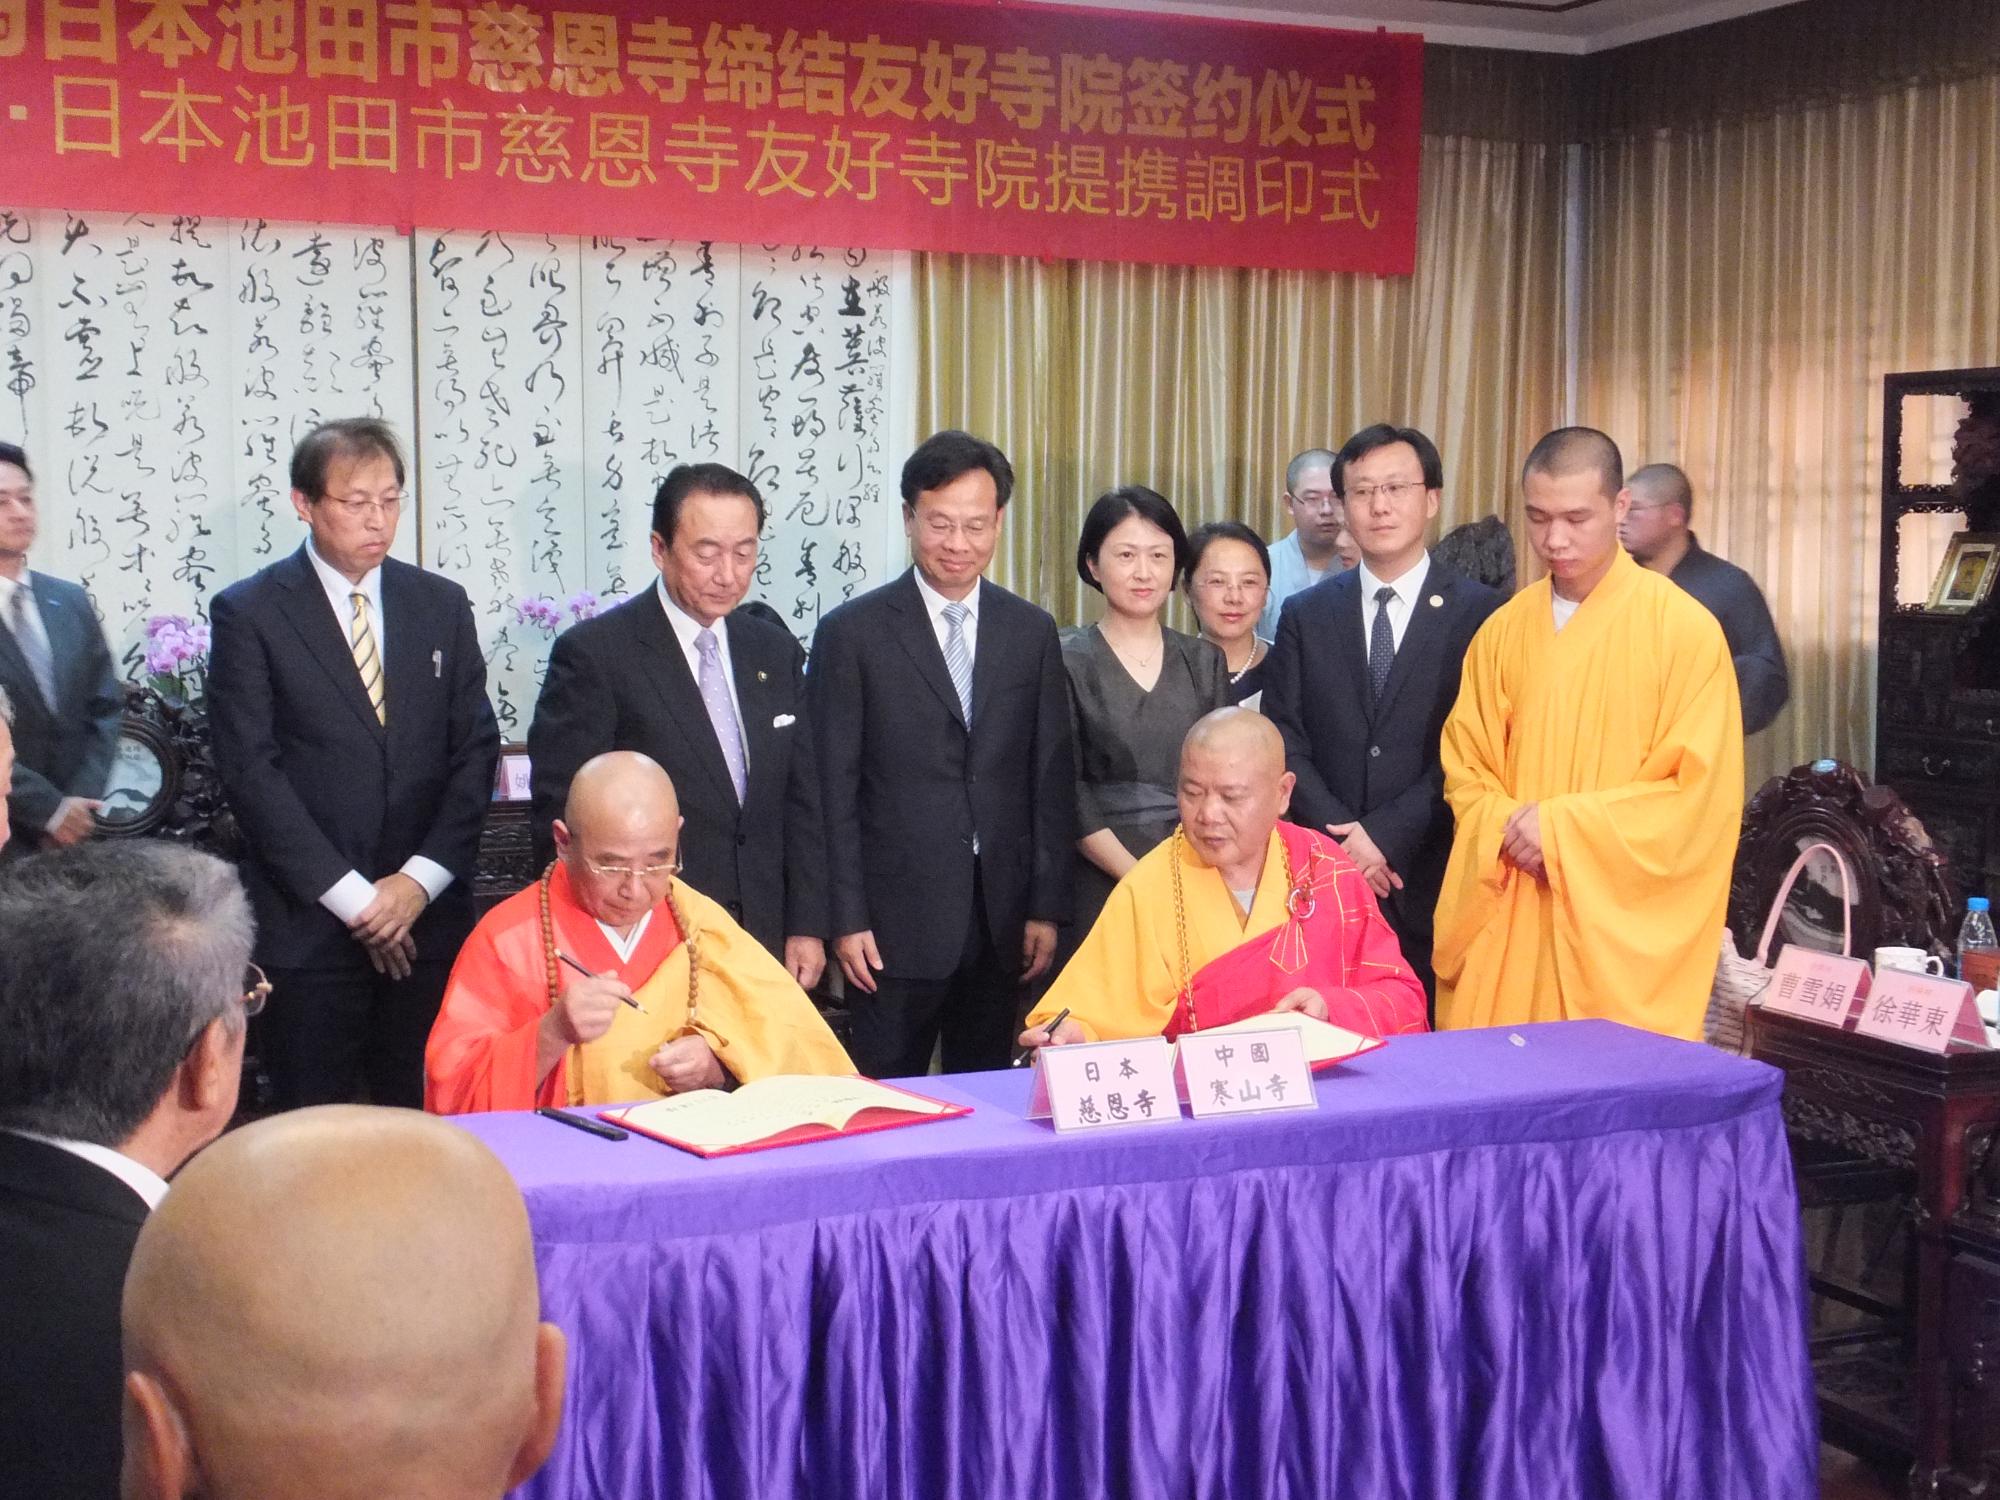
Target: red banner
{"x": 998, "y": 129}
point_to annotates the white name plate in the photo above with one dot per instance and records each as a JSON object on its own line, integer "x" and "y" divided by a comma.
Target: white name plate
{"x": 1814, "y": 986}
{"x": 1919, "y": 1010}
{"x": 1245, "y": 1072}
{"x": 1097, "y": 1085}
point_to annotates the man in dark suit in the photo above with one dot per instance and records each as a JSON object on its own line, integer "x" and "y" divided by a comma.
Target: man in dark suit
{"x": 942, "y": 713}
{"x": 347, "y": 697}
{"x": 687, "y": 674}
{"x": 1365, "y": 670}
{"x": 57, "y": 671}
{"x": 1656, "y": 531}
{"x": 123, "y": 992}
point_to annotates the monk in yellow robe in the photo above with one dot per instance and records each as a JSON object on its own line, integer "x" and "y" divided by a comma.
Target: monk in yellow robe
{"x": 676, "y": 996}
{"x": 1594, "y": 766}
{"x": 1238, "y": 914}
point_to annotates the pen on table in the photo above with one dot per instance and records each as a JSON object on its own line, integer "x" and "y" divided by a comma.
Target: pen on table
{"x": 588, "y": 975}
{"x": 588, "y": 1127}
{"x": 1048, "y": 1029}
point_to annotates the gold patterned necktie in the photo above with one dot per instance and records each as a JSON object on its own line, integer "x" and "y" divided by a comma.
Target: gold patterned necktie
{"x": 367, "y": 660}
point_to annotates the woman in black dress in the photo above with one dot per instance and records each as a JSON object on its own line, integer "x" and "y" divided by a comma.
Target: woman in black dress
{"x": 1135, "y": 689}
{"x": 1228, "y": 579}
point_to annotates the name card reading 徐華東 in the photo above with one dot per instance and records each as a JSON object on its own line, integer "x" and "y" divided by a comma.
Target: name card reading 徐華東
{"x": 1095, "y": 1085}
{"x": 1244, "y": 1072}
{"x": 1815, "y": 986}
{"x": 1920, "y": 1010}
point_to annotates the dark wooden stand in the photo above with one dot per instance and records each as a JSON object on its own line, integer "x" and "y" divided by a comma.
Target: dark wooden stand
{"x": 1870, "y": 1121}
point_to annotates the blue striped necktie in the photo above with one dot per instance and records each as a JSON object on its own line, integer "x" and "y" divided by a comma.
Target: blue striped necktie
{"x": 958, "y": 660}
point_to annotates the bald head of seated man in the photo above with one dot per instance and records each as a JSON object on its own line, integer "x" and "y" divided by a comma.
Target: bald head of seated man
{"x": 338, "y": 1302}
{"x": 1185, "y": 942}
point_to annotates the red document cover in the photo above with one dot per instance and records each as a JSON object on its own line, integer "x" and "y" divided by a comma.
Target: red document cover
{"x": 705, "y": 1142}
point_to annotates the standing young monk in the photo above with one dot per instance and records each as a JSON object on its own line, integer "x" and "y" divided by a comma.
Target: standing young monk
{"x": 1594, "y": 765}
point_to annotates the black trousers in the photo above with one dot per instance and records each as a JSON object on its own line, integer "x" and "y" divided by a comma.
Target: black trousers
{"x": 974, "y": 1010}
{"x": 333, "y": 1036}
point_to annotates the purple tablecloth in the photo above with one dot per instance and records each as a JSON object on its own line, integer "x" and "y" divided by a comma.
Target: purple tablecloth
{"x": 1563, "y": 1270}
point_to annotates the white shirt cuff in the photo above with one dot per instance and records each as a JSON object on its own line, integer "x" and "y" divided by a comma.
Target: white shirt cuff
{"x": 429, "y": 874}
{"x": 349, "y": 896}
{"x": 61, "y": 812}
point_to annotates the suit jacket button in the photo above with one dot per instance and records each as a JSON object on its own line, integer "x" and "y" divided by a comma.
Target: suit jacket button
{"x": 742, "y": 839}
{"x": 1374, "y": 751}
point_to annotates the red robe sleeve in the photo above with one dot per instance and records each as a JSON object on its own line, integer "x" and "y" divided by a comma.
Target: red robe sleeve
{"x": 482, "y": 1049}
{"x": 1378, "y": 993}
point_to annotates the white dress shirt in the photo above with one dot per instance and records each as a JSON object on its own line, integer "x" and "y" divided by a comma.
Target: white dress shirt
{"x": 1409, "y": 590}
{"x": 349, "y": 896}
{"x": 934, "y": 604}
{"x": 686, "y": 628}
{"x": 39, "y": 629}
{"x": 137, "y": 1176}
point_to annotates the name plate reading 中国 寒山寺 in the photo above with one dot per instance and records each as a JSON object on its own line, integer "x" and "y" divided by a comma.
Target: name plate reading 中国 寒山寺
{"x": 1244, "y": 1072}
{"x": 1814, "y": 986}
{"x": 1094, "y": 1085}
{"x": 1920, "y": 1010}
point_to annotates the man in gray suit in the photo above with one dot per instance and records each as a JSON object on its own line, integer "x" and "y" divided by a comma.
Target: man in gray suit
{"x": 56, "y": 669}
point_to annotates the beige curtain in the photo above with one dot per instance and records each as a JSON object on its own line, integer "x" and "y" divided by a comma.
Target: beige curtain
{"x": 1203, "y": 382}
{"x": 1747, "y": 286}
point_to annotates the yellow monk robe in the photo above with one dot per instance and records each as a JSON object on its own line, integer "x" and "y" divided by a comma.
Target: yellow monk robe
{"x": 1626, "y": 728}
{"x": 481, "y": 1054}
{"x": 1321, "y": 930}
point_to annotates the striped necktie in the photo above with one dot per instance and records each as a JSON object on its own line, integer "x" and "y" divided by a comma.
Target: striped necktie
{"x": 34, "y": 647}
{"x": 958, "y": 660}
{"x": 367, "y": 660}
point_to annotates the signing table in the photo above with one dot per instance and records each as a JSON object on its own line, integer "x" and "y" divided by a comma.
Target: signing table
{"x": 1558, "y": 1263}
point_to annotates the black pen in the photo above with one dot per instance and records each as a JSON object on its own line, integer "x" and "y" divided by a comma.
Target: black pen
{"x": 1048, "y": 1030}
{"x": 588, "y": 1127}
{"x": 564, "y": 957}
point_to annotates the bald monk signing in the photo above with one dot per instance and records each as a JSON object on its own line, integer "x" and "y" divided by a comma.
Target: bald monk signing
{"x": 1235, "y": 915}
{"x": 677, "y": 997}
{"x": 339, "y": 1302}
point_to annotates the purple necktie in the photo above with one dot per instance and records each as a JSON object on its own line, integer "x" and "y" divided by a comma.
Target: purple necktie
{"x": 721, "y": 710}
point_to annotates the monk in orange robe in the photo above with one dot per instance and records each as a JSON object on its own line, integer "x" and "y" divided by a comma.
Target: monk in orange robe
{"x": 677, "y": 996}
{"x": 1238, "y": 914}
{"x": 1594, "y": 766}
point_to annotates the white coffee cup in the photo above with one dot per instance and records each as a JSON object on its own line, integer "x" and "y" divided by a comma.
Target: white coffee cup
{"x": 1988, "y": 1002}
{"x": 1910, "y": 960}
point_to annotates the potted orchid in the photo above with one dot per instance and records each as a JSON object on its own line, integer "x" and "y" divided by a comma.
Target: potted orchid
{"x": 177, "y": 659}
{"x": 544, "y": 613}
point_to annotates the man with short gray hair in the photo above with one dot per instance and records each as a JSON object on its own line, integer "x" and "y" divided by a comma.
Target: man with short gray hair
{"x": 1319, "y": 544}
{"x": 124, "y": 991}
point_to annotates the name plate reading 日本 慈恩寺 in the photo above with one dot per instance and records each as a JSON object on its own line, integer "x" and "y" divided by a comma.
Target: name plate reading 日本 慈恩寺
{"x": 1814, "y": 986}
{"x": 1920, "y": 1010}
{"x": 1094, "y": 1085}
{"x": 1244, "y": 1072}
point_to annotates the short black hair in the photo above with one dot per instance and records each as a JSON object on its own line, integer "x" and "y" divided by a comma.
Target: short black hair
{"x": 1573, "y": 450}
{"x": 15, "y": 454}
{"x": 1114, "y": 506}
{"x": 345, "y": 438}
{"x": 1668, "y": 483}
{"x": 1382, "y": 435}
{"x": 944, "y": 456}
{"x": 1205, "y": 536}
{"x": 698, "y": 479}
{"x": 1481, "y": 550}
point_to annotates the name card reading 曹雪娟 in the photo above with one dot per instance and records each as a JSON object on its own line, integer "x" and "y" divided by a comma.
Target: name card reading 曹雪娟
{"x": 1920, "y": 1010}
{"x": 1815, "y": 986}
{"x": 1094, "y": 1085}
{"x": 1244, "y": 1072}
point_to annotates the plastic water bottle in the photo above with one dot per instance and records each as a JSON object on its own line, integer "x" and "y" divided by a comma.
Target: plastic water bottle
{"x": 1978, "y": 949}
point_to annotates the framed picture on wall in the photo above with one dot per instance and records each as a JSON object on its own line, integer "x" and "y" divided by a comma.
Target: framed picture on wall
{"x": 1971, "y": 563}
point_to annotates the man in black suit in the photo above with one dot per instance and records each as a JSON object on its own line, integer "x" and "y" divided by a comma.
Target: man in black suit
{"x": 347, "y": 697}
{"x": 57, "y": 671}
{"x": 1364, "y": 672}
{"x": 123, "y": 992}
{"x": 942, "y": 714}
{"x": 690, "y": 676}
{"x": 1657, "y": 532}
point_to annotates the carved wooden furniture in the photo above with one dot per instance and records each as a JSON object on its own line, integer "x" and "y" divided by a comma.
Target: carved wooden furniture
{"x": 1937, "y": 734}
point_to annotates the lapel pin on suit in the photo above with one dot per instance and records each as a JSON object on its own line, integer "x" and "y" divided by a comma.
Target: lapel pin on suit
{"x": 762, "y": 675}
{"x": 1437, "y": 601}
